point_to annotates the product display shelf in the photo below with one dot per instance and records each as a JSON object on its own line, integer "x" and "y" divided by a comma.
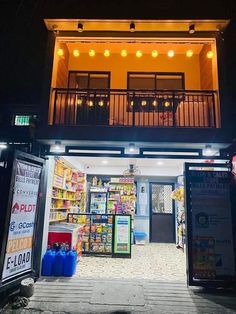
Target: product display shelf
{"x": 96, "y": 231}
{"x": 121, "y": 197}
{"x": 66, "y": 188}
{"x": 58, "y": 220}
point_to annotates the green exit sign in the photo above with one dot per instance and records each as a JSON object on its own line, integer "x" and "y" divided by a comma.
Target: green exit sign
{"x": 23, "y": 120}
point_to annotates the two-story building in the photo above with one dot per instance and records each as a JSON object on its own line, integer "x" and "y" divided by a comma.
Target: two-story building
{"x": 132, "y": 97}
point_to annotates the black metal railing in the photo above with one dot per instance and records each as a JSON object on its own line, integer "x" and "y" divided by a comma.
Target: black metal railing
{"x": 139, "y": 108}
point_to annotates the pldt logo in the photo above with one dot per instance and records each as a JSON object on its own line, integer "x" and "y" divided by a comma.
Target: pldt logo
{"x": 12, "y": 226}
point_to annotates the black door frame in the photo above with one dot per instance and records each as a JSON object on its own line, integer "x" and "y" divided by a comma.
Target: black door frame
{"x": 150, "y": 207}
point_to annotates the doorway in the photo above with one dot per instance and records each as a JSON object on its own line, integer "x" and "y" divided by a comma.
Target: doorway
{"x": 162, "y": 223}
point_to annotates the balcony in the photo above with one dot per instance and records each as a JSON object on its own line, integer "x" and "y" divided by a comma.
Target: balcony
{"x": 134, "y": 108}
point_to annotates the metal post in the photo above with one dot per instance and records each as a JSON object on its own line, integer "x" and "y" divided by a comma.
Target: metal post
{"x": 133, "y": 118}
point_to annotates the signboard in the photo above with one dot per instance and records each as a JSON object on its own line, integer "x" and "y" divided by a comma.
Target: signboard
{"x": 211, "y": 244}
{"x": 18, "y": 256}
{"x": 99, "y": 219}
{"x": 122, "y": 235}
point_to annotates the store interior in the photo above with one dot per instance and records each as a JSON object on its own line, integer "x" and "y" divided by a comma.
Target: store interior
{"x": 84, "y": 194}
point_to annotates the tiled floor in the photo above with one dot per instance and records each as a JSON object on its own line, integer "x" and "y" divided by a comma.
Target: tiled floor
{"x": 150, "y": 261}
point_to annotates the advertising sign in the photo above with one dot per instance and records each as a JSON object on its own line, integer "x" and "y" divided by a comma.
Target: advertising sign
{"x": 212, "y": 240}
{"x": 122, "y": 235}
{"x": 18, "y": 256}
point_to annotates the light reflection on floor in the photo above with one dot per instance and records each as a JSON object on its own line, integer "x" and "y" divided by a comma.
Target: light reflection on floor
{"x": 156, "y": 261}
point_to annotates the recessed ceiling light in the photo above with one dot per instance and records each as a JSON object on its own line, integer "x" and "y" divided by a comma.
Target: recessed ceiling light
{"x": 123, "y": 53}
{"x": 131, "y": 147}
{"x": 171, "y": 53}
{"x": 210, "y": 54}
{"x": 154, "y": 53}
{"x": 76, "y": 53}
{"x": 106, "y": 53}
{"x": 189, "y": 53}
{"x": 139, "y": 54}
{"x": 60, "y": 52}
{"x": 92, "y": 53}
{"x": 160, "y": 163}
{"x": 104, "y": 162}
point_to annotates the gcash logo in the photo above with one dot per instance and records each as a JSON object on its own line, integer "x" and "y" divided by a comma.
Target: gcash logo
{"x": 25, "y": 225}
{"x": 21, "y": 225}
{"x": 12, "y": 226}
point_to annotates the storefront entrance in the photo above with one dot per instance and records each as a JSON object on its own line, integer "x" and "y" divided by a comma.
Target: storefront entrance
{"x": 97, "y": 206}
{"x": 162, "y": 224}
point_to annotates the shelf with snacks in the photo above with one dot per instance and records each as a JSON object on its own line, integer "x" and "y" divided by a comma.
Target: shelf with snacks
{"x": 121, "y": 196}
{"x": 57, "y": 216}
{"x": 96, "y": 232}
{"x": 67, "y": 187}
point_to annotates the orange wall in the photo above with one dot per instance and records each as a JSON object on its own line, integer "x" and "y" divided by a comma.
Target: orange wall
{"x": 119, "y": 67}
{"x": 206, "y": 69}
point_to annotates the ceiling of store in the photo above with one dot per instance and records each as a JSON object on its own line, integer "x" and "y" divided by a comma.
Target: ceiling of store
{"x": 116, "y": 166}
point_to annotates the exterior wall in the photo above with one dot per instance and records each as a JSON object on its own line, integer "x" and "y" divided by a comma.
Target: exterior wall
{"x": 119, "y": 67}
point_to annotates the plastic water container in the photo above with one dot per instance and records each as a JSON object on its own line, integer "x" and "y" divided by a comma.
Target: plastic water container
{"x": 47, "y": 263}
{"x": 70, "y": 264}
{"x": 58, "y": 263}
{"x": 139, "y": 237}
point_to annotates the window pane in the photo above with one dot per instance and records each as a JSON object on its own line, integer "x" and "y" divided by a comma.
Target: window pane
{"x": 99, "y": 81}
{"x": 82, "y": 80}
{"x": 161, "y": 199}
{"x": 171, "y": 82}
{"x": 141, "y": 81}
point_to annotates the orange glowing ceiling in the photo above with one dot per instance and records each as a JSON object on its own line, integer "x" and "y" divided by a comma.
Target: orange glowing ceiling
{"x": 146, "y": 48}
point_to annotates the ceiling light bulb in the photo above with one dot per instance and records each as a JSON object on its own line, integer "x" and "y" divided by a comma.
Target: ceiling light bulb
{"x": 104, "y": 162}
{"x": 132, "y": 27}
{"x": 210, "y": 54}
{"x": 191, "y": 29}
{"x": 166, "y": 104}
{"x": 160, "y": 163}
{"x": 76, "y": 53}
{"x": 171, "y": 53}
{"x": 143, "y": 103}
{"x": 123, "y": 53}
{"x": 80, "y": 27}
{"x": 106, "y": 53}
{"x": 60, "y": 52}
{"x": 57, "y": 145}
{"x": 154, "y": 103}
{"x": 189, "y": 53}
{"x": 101, "y": 103}
{"x": 79, "y": 101}
{"x": 3, "y": 145}
{"x": 131, "y": 147}
{"x": 92, "y": 53}
{"x": 154, "y": 53}
{"x": 90, "y": 103}
{"x": 139, "y": 54}
{"x": 208, "y": 150}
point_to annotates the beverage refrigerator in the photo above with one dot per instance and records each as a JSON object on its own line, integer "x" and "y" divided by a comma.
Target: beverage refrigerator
{"x": 98, "y": 203}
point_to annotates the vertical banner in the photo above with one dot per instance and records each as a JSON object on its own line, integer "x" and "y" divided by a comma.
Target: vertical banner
{"x": 18, "y": 256}
{"x": 209, "y": 208}
{"x": 122, "y": 235}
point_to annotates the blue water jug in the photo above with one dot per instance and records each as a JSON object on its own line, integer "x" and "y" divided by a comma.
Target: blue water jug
{"x": 47, "y": 263}
{"x": 58, "y": 263}
{"x": 70, "y": 263}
